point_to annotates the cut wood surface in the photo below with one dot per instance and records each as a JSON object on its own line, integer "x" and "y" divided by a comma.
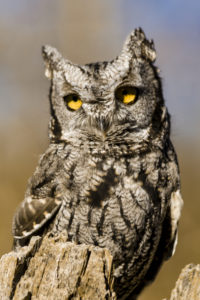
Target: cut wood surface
{"x": 52, "y": 268}
{"x": 188, "y": 284}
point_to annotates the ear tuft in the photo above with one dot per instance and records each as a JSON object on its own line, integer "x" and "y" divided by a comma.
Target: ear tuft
{"x": 148, "y": 50}
{"x": 138, "y": 46}
{"x": 51, "y": 58}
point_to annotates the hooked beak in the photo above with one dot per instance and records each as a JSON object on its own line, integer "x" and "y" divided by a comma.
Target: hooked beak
{"x": 103, "y": 124}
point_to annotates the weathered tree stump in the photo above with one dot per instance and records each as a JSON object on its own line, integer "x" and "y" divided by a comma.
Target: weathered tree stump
{"x": 54, "y": 269}
{"x": 188, "y": 284}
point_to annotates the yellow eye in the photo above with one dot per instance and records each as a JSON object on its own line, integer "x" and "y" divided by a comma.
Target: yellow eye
{"x": 126, "y": 94}
{"x": 73, "y": 101}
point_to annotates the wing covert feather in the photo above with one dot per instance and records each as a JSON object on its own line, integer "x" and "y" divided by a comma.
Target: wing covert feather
{"x": 32, "y": 214}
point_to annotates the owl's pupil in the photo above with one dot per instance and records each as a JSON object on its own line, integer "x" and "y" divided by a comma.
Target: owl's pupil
{"x": 75, "y": 98}
{"x": 124, "y": 92}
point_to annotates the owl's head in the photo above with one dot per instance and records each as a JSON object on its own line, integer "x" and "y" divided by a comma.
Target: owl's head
{"x": 117, "y": 100}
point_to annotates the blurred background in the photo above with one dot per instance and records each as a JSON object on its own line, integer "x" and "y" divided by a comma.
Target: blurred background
{"x": 86, "y": 31}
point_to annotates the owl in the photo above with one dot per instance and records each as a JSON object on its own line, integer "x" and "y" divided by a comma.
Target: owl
{"x": 110, "y": 175}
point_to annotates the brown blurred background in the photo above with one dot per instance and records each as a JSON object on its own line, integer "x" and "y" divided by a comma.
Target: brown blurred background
{"x": 86, "y": 31}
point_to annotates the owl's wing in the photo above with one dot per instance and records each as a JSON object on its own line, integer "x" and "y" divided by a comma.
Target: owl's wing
{"x": 168, "y": 240}
{"x": 172, "y": 219}
{"x": 32, "y": 214}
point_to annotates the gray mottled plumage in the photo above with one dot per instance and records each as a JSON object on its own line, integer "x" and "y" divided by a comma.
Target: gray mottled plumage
{"x": 110, "y": 175}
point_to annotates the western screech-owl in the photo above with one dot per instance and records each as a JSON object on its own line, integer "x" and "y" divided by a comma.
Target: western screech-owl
{"x": 110, "y": 175}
